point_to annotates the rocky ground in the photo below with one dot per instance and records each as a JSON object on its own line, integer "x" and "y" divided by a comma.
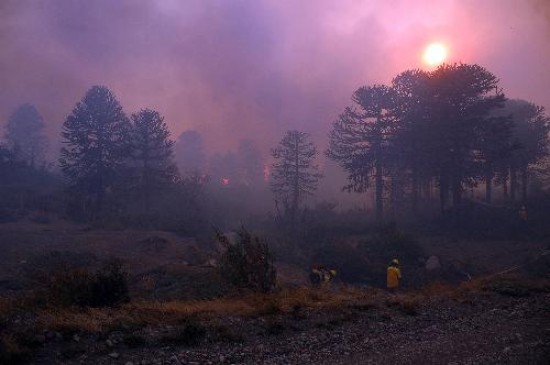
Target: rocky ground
{"x": 509, "y": 327}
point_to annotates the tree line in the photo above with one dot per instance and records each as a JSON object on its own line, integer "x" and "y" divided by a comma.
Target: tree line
{"x": 427, "y": 133}
{"x": 451, "y": 129}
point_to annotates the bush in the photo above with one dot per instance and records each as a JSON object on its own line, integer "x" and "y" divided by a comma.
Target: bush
{"x": 247, "y": 263}
{"x": 79, "y": 286}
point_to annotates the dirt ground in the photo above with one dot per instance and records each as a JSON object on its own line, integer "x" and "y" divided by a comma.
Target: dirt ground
{"x": 497, "y": 327}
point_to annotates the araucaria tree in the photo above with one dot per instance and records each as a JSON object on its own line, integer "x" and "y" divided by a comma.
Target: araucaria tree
{"x": 361, "y": 140}
{"x": 530, "y": 142}
{"x": 151, "y": 153}
{"x": 96, "y": 144}
{"x": 24, "y": 135}
{"x": 428, "y": 127}
{"x": 294, "y": 174}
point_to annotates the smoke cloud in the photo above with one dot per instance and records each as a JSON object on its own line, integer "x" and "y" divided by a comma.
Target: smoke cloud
{"x": 249, "y": 69}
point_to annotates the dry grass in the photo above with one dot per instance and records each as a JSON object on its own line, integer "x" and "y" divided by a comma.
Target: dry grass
{"x": 142, "y": 313}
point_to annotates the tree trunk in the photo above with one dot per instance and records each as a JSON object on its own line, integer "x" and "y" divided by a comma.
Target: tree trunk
{"x": 443, "y": 193}
{"x": 379, "y": 182}
{"x": 524, "y": 182}
{"x": 457, "y": 193}
{"x": 513, "y": 183}
{"x": 414, "y": 188}
{"x": 505, "y": 187}
{"x": 488, "y": 186}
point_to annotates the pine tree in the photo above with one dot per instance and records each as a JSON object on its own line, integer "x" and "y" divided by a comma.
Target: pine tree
{"x": 25, "y": 136}
{"x": 294, "y": 174}
{"x": 151, "y": 153}
{"x": 95, "y": 135}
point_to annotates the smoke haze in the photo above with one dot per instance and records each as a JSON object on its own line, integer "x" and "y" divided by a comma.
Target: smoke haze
{"x": 247, "y": 69}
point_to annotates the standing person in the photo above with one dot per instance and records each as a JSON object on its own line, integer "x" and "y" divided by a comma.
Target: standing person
{"x": 393, "y": 275}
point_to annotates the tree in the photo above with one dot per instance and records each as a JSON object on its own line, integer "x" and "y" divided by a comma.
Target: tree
{"x": 361, "y": 138}
{"x": 412, "y": 131}
{"x": 495, "y": 147}
{"x": 294, "y": 174}
{"x": 25, "y": 135}
{"x": 529, "y": 141}
{"x": 95, "y": 135}
{"x": 151, "y": 153}
{"x": 462, "y": 99}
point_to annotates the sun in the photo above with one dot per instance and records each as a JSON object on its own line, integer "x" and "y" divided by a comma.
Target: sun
{"x": 435, "y": 54}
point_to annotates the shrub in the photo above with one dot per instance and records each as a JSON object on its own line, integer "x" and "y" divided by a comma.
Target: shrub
{"x": 80, "y": 286}
{"x": 247, "y": 263}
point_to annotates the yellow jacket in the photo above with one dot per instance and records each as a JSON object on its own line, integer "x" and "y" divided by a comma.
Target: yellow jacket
{"x": 393, "y": 276}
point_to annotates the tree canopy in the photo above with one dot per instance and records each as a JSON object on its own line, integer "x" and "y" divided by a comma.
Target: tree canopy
{"x": 95, "y": 136}
{"x": 294, "y": 174}
{"x": 25, "y": 135}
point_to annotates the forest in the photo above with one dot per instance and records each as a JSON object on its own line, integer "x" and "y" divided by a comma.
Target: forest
{"x": 427, "y": 147}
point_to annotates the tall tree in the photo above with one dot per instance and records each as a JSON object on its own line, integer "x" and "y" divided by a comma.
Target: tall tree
{"x": 495, "y": 148}
{"x": 530, "y": 141}
{"x": 463, "y": 97}
{"x": 361, "y": 138}
{"x": 294, "y": 174}
{"x": 25, "y": 135}
{"x": 412, "y": 134}
{"x": 151, "y": 153}
{"x": 95, "y": 135}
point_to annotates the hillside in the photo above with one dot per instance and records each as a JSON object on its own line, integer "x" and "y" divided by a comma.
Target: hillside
{"x": 179, "y": 312}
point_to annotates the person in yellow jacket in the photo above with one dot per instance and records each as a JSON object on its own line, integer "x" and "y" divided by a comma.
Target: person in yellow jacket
{"x": 393, "y": 275}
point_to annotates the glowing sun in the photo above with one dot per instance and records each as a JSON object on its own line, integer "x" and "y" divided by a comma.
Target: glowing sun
{"x": 435, "y": 54}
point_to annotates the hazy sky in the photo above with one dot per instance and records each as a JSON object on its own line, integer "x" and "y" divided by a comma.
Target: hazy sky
{"x": 239, "y": 69}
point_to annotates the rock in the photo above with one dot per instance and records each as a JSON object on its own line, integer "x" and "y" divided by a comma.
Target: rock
{"x": 114, "y": 355}
{"x": 433, "y": 263}
{"x": 76, "y": 338}
{"x": 109, "y": 343}
{"x": 129, "y": 363}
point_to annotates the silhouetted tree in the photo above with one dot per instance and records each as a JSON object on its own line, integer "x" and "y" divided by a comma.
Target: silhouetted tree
{"x": 96, "y": 144}
{"x": 495, "y": 147}
{"x": 530, "y": 141}
{"x": 413, "y": 130}
{"x": 360, "y": 140}
{"x": 22, "y": 186}
{"x": 151, "y": 153}
{"x": 462, "y": 98}
{"x": 25, "y": 135}
{"x": 294, "y": 174}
